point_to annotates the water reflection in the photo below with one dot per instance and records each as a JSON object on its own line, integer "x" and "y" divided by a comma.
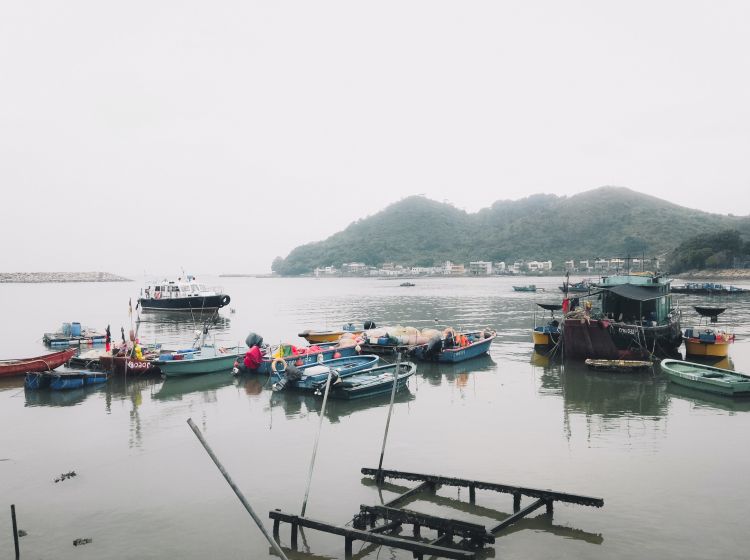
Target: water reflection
{"x": 297, "y": 404}
{"x": 174, "y": 388}
{"x": 458, "y": 374}
{"x": 69, "y": 397}
{"x": 702, "y": 399}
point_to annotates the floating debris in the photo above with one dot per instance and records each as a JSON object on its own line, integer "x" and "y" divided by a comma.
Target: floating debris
{"x": 22, "y": 533}
{"x": 78, "y": 542}
{"x": 65, "y": 476}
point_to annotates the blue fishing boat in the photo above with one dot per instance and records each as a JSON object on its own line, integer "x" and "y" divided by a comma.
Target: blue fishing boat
{"x": 370, "y": 382}
{"x": 64, "y": 380}
{"x": 278, "y": 358}
{"x": 458, "y": 348}
{"x": 209, "y": 359}
{"x": 309, "y": 376}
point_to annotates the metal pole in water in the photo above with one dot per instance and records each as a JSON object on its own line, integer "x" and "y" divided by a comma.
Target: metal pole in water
{"x": 15, "y": 529}
{"x": 390, "y": 411}
{"x": 237, "y": 491}
{"x": 317, "y": 439}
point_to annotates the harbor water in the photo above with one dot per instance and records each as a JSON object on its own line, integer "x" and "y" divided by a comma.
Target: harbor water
{"x": 671, "y": 464}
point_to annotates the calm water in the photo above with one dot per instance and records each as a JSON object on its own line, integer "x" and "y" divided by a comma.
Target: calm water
{"x": 672, "y": 466}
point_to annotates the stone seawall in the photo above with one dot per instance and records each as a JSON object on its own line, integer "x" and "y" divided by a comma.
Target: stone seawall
{"x": 39, "y": 277}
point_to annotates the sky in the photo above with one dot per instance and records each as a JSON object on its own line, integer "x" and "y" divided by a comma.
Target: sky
{"x": 215, "y": 136}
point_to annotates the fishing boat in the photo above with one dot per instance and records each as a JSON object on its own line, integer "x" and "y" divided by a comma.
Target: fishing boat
{"x": 288, "y": 354}
{"x": 618, "y": 365}
{"x": 370, "y": 382}
{"x": 407, "y": 284}
{"x": 60, "y": 381}
{"x": 548, "y": 334}
{"x": 635, "y": 319}
{"x": 209, "y": 359}
{"x": 330, "y": 335}
{"x": 529, "y": 288}
{"x": 73, "y": 334}
{"x": 455, "y": 347}
{"x": 584, "y": 286}
{"x": 391, "y": 340}
{"x": 183, "y": 294}
{"x": 307, "y": 377}
{"x": 706, "y": 378}
{"x": 708, "y": 288}
{"x": 705, "y": 340}
{"x": 44, "y": 362}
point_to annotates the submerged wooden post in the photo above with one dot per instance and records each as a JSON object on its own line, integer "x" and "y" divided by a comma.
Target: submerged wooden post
{"x": 379, "y": 476}
{"x": 550, "y": 506}
{"x": 234, "y": 487}
{"x": 516, "y": 502}
{"x": 317, "y": 439}
{"x": 15, "y": 529}
{"x": 472, "y": 494}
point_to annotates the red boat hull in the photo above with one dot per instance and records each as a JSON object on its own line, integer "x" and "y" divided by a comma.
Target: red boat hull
{"x": 39, "y": 363}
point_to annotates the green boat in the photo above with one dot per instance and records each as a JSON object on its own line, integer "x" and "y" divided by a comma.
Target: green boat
{"x": 209, "y": 359}
{"x": 706, "y": 378}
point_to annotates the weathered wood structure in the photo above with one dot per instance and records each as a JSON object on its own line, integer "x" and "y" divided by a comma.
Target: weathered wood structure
{"x": 454, "y": 538}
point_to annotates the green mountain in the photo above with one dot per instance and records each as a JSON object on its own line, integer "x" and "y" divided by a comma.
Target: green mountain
{"x": 604, "y": 222}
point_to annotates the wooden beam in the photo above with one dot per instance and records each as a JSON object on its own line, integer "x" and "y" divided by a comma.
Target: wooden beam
{"x": 519, "y": 515}
{"x": 409, "y": 493}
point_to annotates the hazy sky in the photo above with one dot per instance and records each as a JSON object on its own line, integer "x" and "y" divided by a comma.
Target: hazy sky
{"x": 150, "y": 136}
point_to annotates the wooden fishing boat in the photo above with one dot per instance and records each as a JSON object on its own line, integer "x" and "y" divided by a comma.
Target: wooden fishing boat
{"x": 209, "y": 359}
{"x": 456, "y": 349}
{"x": 370, "y": 382}
{"x": 618, "y": 365}
{"x": 61, "y": 381}
{"x": 708, "y": 288}
{"x": 309, "y": 376}
{"x": 39, "y": 363}
{"x": 706, "y": 378}
{"x": 548, "y": 334}
{"x": 636, "y": 319}
{"x": 529, "y": 288}
{"x": 705, "y": 340}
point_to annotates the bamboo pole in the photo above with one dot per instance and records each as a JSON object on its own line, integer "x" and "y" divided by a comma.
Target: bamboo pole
{"x": 390, "y": 411}
{"x": 15, "y": 529}
{"x": 317, "y": 439}
{"x": 237, "y": 491}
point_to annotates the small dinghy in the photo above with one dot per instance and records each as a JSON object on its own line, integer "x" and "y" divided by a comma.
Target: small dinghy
{"x": 309, "y": 376}
{"x": 618, "y": 365}
{"x": 370, "y": 382}
{"x": 706, "y": 378}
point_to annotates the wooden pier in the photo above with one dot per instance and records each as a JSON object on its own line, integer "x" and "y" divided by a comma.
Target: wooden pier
{"x": 454, "y": 538}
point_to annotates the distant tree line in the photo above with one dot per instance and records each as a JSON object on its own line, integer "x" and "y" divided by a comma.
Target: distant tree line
{"x": 724, "y": 249}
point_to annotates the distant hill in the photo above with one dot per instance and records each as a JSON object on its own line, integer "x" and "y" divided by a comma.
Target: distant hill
{"x": 604, "y": 222}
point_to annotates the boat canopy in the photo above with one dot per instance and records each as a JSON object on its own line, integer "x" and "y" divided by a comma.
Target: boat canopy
{"x": 637, "y": 293}
{"x": 550, "y": 306}
{"x": 709, "y": 311}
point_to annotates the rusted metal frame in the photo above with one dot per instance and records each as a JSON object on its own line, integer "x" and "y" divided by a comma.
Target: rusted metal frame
{"x": 495, "y": 487}
{"x": 350, "y": 535}
{"x": 473, "y": 531}
{"x": 518, "y": 515}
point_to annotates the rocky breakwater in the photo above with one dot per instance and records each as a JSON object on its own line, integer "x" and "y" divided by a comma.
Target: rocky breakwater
{"x": 39, "y": 277}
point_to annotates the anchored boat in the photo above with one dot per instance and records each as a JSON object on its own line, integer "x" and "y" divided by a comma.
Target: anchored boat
{"x": 370, "y": 382}
{"x": 529, "y": 288}
{"x": 635, "y": 319}
{"x": 705, "y": 340}
{"x": 455, "y": 347}
{"x": 44, "y": 362}
{"x": 547, "y": 335}
{"x": 307, "y": 377}
{"x": 183, "y": 294}
{"x": 209, "y": 359}
{"x": 706, "y": 378}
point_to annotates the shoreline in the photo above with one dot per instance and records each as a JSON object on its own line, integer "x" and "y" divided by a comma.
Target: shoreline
{"x": 58, "y": 277}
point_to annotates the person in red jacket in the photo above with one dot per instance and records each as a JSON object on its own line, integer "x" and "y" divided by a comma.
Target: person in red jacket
{"x": 253, "y": 358}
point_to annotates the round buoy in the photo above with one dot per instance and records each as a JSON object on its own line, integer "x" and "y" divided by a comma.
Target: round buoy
{"x": 337, "y": 355}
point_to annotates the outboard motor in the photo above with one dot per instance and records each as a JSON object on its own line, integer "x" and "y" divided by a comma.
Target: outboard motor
{"x": 433, "y": 348}
{"x": 292, "y": 373}
{"x": 321, "y": 387}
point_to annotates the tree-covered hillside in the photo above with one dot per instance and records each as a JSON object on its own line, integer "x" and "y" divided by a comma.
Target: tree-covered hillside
{"x": 706, "y": 251}
{"x": 605, "y": 222}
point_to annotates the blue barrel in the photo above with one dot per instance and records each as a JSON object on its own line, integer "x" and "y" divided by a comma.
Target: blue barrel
{"x": 75, "y": 329}
{"x": 66, "y": 329}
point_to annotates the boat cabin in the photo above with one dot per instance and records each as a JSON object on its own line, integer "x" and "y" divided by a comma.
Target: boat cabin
{"x": 180, "y": 288}
{"x": 636, "y": 299}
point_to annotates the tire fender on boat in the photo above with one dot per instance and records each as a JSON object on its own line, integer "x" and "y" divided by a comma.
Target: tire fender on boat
{"x": 225, "y": 301}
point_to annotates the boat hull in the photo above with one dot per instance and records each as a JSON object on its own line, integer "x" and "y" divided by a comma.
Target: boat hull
{"x": 306, "y": 359}
{"x": 455, "y": 355}
{"x": 38, "y": 363}
{"x": 706, "y": 378}
{"x": 122, "y": 365}
{"x": 343, "y": 367}
{"x": 695, "y": 347}
{"x": 198, "y": 365}
{"x": 602, "y": 339}
{"x": 195, "y": 303}
{"x": 373, "y": 382}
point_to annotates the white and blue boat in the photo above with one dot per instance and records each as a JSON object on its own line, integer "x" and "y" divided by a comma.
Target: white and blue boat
{"x": 307, "y": 377}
